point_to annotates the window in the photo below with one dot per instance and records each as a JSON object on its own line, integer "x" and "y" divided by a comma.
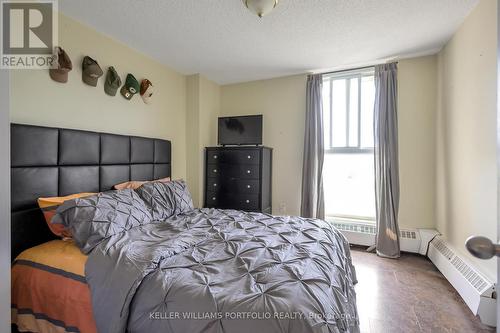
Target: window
{"x": 348, "y": 171}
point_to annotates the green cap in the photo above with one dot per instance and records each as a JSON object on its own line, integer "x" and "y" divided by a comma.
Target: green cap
{"x": 130, "y": 88}
{"x": 113, "y": 82}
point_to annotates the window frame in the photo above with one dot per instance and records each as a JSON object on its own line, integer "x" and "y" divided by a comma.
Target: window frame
{"x": 358, "y": 149}
{"x": 348, "y": 75}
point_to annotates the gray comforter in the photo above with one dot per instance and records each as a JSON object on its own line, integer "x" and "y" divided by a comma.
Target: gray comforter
{"x": 208, "y": 270}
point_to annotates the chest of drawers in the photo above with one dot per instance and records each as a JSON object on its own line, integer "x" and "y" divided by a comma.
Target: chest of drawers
{"x": 238, "y": 178}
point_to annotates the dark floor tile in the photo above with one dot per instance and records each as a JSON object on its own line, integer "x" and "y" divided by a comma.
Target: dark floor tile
{"x": 384, "y": 326}
{"x": 408, "y": 295}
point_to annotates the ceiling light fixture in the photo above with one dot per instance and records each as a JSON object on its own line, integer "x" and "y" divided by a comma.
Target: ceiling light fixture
{"x": 261, "y": 7}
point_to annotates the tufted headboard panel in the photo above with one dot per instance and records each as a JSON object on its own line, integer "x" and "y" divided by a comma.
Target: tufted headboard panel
{"x": 47, "y": 162}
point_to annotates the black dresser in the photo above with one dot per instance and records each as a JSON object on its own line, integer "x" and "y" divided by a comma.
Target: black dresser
{"x": 238, "y": 178}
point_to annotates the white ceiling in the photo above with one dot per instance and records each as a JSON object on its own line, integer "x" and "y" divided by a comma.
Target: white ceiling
{"x": 226, "y": 43}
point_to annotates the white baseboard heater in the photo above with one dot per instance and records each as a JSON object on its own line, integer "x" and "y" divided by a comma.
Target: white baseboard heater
{"x": 478, "y": 292}
{"x": 411, "y": 240}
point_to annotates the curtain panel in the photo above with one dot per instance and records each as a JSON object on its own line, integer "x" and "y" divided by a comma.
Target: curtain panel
{"x": 312, "y": 203}
{"x": 386, "y": 160}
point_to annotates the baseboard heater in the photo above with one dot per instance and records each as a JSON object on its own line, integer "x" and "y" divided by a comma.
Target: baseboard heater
{"x": 478, "y": 292}
{"x": 411, "y": 240}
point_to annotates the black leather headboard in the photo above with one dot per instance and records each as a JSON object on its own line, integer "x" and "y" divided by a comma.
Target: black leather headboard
{"x": 49, "y": 162}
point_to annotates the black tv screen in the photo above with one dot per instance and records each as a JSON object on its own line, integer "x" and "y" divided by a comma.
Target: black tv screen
{"x": 240, "y": 130}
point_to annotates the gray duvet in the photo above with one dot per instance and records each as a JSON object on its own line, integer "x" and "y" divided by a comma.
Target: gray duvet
{"x": 209, "y": 270}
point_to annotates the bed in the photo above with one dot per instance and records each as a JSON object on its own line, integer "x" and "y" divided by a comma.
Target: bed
{"x": 154, "y": 263}
{"x": 49, "y": 290}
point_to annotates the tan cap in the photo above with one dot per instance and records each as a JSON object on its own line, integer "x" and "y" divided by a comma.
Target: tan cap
{"x": 62, "y": 66}
{"x": 91, "y": 71}
{"x": 146, "y": 91}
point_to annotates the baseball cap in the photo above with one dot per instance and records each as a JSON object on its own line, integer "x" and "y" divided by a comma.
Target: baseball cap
{"x": 146, "y": 91}
{"x": 91, "y": 71}
{"x": 130, "y": 88}
{"x": 113, "y": 82}
{"x": 62, "y": 66}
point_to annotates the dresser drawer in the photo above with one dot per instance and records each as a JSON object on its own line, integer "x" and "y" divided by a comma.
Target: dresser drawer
{"x": 247, "y": 186}
{"x": 250, "y": 156}
{"x": 245, "y": 156}
{"x": 233, "y": 185}
{"x": 244, "y": 171}
{"x": 247, "y": 202}
{"x": 228, "y": 171}
{"x": 224, "y": 200}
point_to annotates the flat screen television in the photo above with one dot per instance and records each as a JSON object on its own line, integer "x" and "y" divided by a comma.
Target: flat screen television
{"x": 240, "y": 130}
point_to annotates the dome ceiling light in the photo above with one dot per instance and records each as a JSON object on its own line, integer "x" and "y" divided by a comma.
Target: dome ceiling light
{"x": 261, "y": 7}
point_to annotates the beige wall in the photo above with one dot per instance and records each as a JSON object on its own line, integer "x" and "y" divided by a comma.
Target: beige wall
{"x": 193, "y": 136}
{"x": 282, "y": 102}
{"x": 203, "y": 106}
{"x": 36, "y": 99}
{"x": 209, "y": 111}
{"x": 466, "y": 155}
{"x": 417, "y": 141}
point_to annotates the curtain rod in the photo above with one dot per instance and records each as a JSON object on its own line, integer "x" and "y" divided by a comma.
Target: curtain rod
{"x": 351, "y": 69}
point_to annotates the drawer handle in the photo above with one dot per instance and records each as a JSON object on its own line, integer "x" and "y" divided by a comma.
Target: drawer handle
{"x": 215, "y": 156}
{"x": 215, "y": 170}
{"x": 213, "y": 198}
{"x": 248, "y": 186}
{"x": 215, "y": 185}
{"x": 248, "y": 201}
{"x": 248, "y": 171}
{"x": 249, "y": 157}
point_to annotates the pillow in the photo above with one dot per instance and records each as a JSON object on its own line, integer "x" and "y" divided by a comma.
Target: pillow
{"x": 93, "y": 219}
{"x": 49, "y": 206}
{"x": 166, "y": 199}
{"x": 135, "y": 184}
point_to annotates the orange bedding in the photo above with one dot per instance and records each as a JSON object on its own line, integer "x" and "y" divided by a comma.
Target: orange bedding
{"x": 49, "y": 291}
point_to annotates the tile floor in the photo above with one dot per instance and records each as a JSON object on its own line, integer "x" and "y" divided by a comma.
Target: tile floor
{"x": 408, "y": 295}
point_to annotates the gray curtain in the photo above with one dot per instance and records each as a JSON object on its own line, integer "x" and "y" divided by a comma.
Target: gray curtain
{"x": 386, "y": 160}
{"x": 312, "y": 204}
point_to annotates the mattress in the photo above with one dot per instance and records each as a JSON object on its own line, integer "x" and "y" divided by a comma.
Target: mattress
{"x": 49, "y": 290}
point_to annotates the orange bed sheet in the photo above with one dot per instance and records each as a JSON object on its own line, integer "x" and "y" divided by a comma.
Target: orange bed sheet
{"x": 49, "y": 290}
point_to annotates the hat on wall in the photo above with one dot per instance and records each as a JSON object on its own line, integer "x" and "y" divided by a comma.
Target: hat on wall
{"x": 130, "y": 88}
{"x": 113, "y": 82}
{"x": 62, "y": 66}
{"x": 146, "y": 91}
{"x": 91, "y": 71}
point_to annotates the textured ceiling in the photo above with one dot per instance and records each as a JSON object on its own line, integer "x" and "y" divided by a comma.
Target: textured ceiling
{"x": 226, "y": 43}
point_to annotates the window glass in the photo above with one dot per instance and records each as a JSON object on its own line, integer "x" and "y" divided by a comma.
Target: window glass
{"x": 348, "y": 170}
{"x": 367, "y": 104}
{"x": 353, "y": 112}
{"x": 338, "y": 116}
{"x": 326, "y": 112}
{"x": 349, "y": 187}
